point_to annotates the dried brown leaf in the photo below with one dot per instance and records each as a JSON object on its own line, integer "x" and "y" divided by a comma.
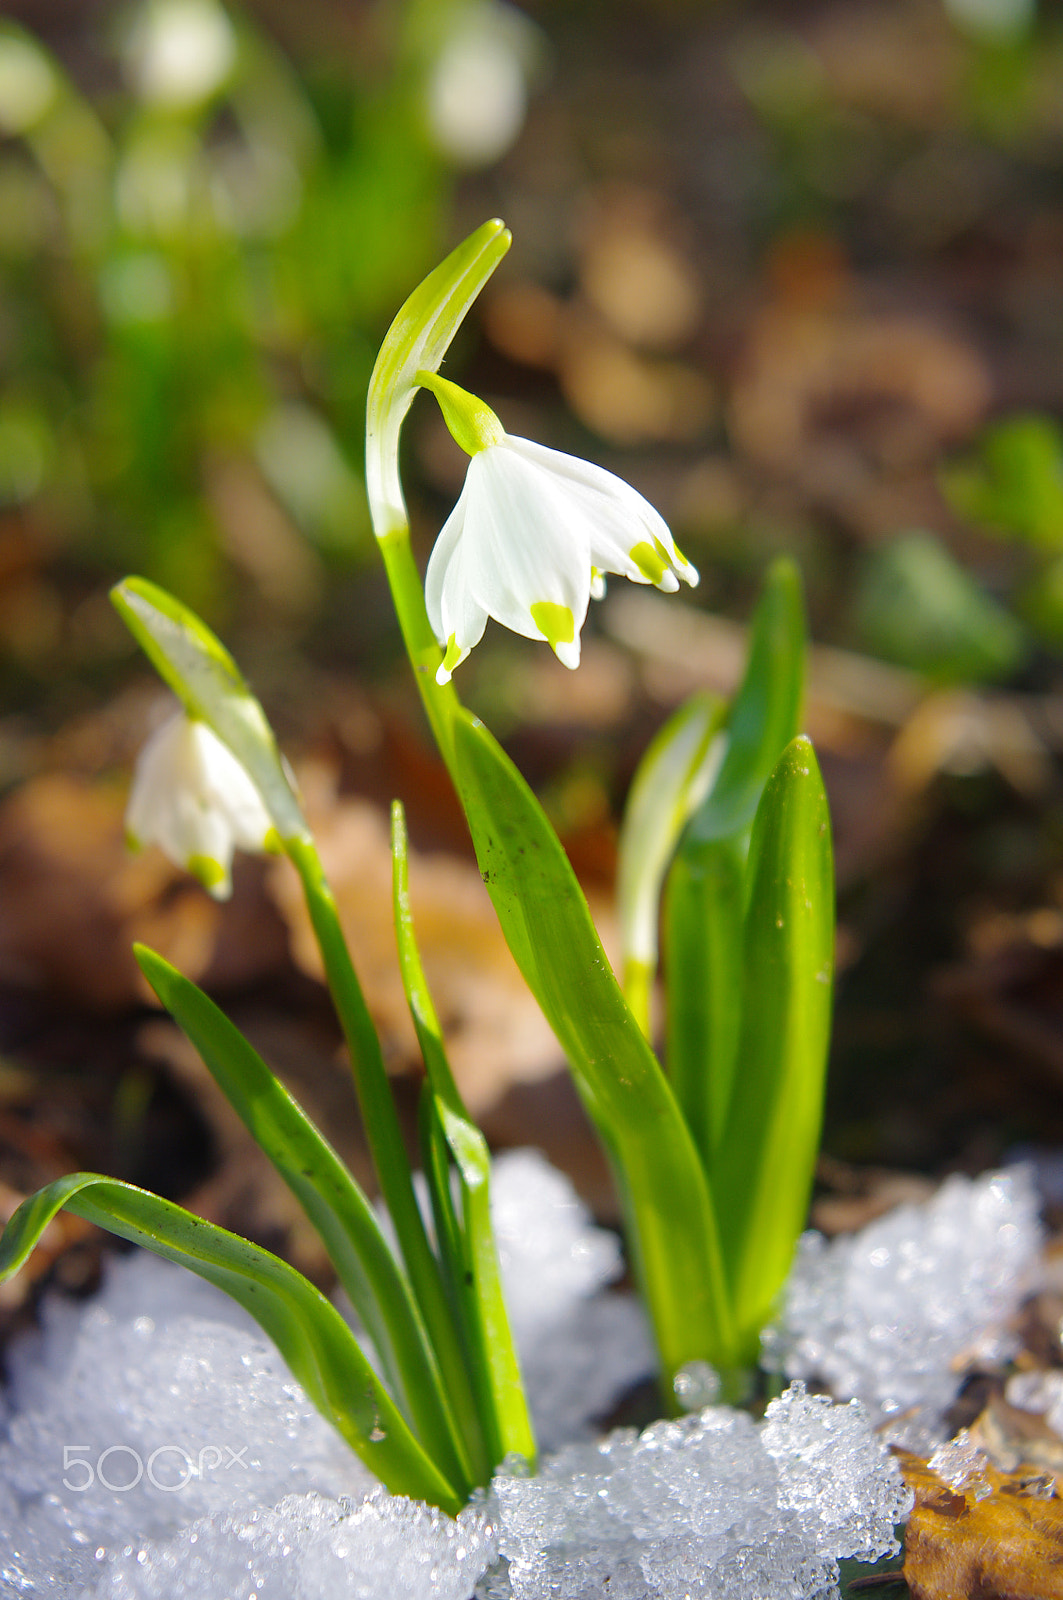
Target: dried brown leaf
{"x": 495, "y": 1032}
{"x": 1006, "y": 1546}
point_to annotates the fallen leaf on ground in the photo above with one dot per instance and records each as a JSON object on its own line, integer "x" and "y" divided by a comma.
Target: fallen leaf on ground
{"x": 495, "y": 1033}
{"x": 74, "y": 899}
{"x": 1008, "y": 1545}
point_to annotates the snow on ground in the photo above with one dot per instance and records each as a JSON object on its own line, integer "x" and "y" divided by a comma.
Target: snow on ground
{"x": 155, "y": 1446}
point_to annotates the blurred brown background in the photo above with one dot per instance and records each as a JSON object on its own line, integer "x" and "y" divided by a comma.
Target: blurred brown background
{"x": 795, "y": 270}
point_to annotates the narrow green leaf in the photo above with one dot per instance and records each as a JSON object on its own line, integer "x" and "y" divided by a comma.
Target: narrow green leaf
{"x": 548, "y": 927}
{"x": 436, "y": 1164}
{"x": 310, "y": 1334}
{"x": 380, "y": 1117}
{"x": 473, "y": 1257}
{"x": 766, "y": 712}
{"x": 333, "y": 1201}
{"x": 705, "y": 895}
{"x": 704, "y": 907}
{"x": 207, "y": 681}
{"x": 762, "y": 1170}
{"x": 672, "y": 779}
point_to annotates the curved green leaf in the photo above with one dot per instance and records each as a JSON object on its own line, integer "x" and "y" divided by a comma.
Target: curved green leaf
{"x": 703, "y": 914}
{"x": 706, "y": 889}
{"x": 333, "y": 1201}
{"x": 309, "y": 1332}
{"x": 766, "y": 712}
{"x": 762, "y": 1170}
{"x": 548, "y": 927}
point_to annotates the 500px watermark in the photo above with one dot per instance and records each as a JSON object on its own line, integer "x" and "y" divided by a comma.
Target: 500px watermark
{"x": 169, "y": 1467}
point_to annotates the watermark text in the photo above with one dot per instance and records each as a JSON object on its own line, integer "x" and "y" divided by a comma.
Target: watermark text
{"x": 169, "y": 1468}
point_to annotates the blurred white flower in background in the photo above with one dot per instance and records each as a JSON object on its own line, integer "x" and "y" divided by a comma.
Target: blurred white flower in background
{"x": 179, "y": 52}
{"x": 477, "y": 92}
{"x": 28, "y": 83}
{"x": 195, "y": 801}
{"x": 992, "y": 19}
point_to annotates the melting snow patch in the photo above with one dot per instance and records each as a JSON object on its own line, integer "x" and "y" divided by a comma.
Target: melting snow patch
{"x": 714, "y": 1505}
{"x": 156, "y": 1447}
{"x": 892, "y": 1314}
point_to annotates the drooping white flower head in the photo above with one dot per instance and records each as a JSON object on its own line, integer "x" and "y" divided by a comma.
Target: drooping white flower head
{"x": 192, "y": 797}
{"x": 531, "y": 537}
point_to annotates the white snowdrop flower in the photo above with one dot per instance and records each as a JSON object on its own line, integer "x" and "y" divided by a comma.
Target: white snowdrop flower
{"x": 192, "y": 797}
{"x": 180, "y": 51}
{"x": 531, "y": 538}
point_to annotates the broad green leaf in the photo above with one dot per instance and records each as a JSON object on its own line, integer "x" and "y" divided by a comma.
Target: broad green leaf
{"x": 417, "y": 340}
{"x": 332, "y": 1200}
{"x": 704, "y": 901}
{"x": 472, "y": 1255}
{"x": 765, "y": 714}
{"x": 548, "y": 928}
{"x": 309, "y": 1332}
{"x": 673, "y": 778}
{"x": 703, "y": 917}
{"x": 762, "y": 1169}
{"x": 206, "y": 679}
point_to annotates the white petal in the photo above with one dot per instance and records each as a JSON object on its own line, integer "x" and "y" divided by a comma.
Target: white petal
{"x": 227, "y": 790}
{"x": 523, "y": 544}
{"x": 464, "y": 621}
{"x": 198, "y": 838}
{"x": 443, "y": 552}
{"x": 619, "y": 518}
{"x": 154, "y": 778}
{"x": 193, "y": 799}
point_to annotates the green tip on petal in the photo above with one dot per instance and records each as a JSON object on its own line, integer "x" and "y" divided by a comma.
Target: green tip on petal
{"x": 472, "y": 423}
{"x": 211, "y": 874}
{"x": 555, "y": 622}
{"x": 650, "y": 560}
{"x": 453, "y": 655}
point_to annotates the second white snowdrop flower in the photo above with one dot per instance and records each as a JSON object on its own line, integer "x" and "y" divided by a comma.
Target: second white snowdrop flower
{"x": 531, "y": 537}
{"x": 192, "y": 797}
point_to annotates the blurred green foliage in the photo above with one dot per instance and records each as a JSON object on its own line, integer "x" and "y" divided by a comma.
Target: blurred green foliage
{"x": 1012, "y": 486}
{"x": 196, "y": 260}
{"x": 917, "y": 606}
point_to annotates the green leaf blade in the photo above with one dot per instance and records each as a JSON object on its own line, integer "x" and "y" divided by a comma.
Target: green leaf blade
{"x": 549, "y": 930}
{"x": 704, "y": 907}
{"x": 762, "y": 1174}
{"x": 469, "y": 1248}
{"x": 766, "y": 712}
{"x": 309, "y": 1332}
{"x": 331, "y": 1199}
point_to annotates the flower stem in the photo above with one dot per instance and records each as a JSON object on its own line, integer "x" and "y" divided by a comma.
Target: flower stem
{"x": 440, "y": 700}
{"x": 638, "y": 987}
{"x": 388, "y": 1150}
